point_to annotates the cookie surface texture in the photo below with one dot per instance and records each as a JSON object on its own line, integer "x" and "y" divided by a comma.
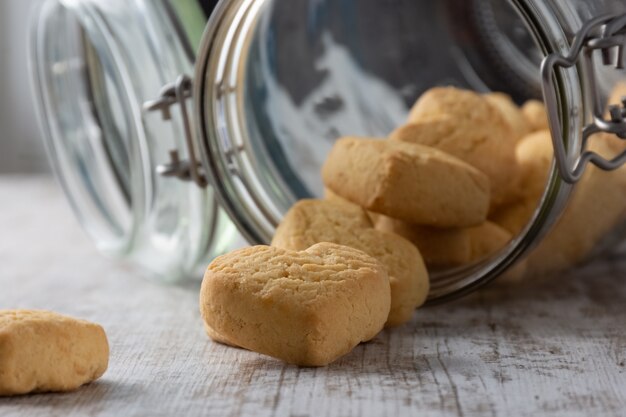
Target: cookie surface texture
{"x": 596, "y": 208}
{"x": 450, "y": 247}
{"x": 511, "y": 113}
{"x": 313, "y": 221}
{"x": 414, "y": 183}
{"x": 42, "y": 351}
{"x": 305, "y": 307}
{"x": 534, "y": 156}
{"x": 514, "y": 217}
{"x": 439, "y": 247}
{"x": 536, "y": 116}
{"x": 465, "y": 125}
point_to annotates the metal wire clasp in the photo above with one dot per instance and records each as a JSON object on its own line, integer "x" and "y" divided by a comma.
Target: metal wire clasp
{"x": 607, "y": 34}
{"x": 177, "y": 93}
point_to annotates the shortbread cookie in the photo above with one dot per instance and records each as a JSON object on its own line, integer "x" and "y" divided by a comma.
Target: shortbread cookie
{"x": 464, "y": 124}
{"x": 414, "y": 183}
{"x": 41, "y": 351}
{"x": 307, "y": 308}
{"x": 502, "y": 187}
{"x": 596, "y": 207}
{"x": 216, "y": 336}
{"x": 514, "y": 217}
{"x": 486, "y": 240}
{"x": 472, "y": 107}
{"x": 534, "y": 156}
{"x": 536, "y": 115}
{"x": 313, "y": 221}
{"x": 331, "y": 196}
{"x": 511, "y": 113}
{"x": 449, "y": 247}
{"x": 439, "y": 247}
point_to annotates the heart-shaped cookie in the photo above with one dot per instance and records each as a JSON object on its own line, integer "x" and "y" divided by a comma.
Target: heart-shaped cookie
{"x": 305, "y": 307}
{"x": 312, "y": 221}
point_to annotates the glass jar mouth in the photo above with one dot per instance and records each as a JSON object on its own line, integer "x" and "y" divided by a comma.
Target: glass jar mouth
{"x": 92, "y": 132}
{"x": 256, "y": 202}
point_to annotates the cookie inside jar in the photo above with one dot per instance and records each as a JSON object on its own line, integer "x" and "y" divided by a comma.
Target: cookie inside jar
{"x": 472, "y": 93}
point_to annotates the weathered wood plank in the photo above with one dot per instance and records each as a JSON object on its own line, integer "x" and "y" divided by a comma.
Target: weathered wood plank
{"x": 554, "y": 348}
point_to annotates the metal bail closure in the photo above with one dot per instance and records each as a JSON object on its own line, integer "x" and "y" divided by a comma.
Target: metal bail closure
{"x": 177, "y": 93}
{"x": 607, "y": 34}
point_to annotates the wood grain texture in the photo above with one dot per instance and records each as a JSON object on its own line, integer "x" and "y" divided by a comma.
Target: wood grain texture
{"x": 549, "y": 348}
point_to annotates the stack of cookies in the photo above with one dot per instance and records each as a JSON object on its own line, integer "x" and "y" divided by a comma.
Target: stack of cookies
{"x": 436, "y": 180}
{"x": 451, "y": 187}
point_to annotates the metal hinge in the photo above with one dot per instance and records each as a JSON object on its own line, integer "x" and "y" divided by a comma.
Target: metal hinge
{"x": 179, "y": 92}
{"x": 608, "y": 35}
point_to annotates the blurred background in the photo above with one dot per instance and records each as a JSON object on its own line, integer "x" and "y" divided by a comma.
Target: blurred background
{"x": 21, "y": 149}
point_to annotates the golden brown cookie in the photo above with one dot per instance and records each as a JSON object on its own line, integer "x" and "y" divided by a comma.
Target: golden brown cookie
{"x": 596, "y": 207}
{"x": 511, "y": 113}
{"x": 331, "y": 196}
{"x": 449, "y": 247}
{"x": 214, "y": 335}
{"x": 414, "y": 183}
{"x": 41, "y": 351}
{"x": 534, "y": 156}
{"x": 305, "y": 307}
{"x": 464, "y": 124}
{"x": 536, "y": 116}
{"x": 439, "y": 247}
{"x": 486, "y": 240}
{"x": 515, "y": 216}
{"x": 313, "y": 221}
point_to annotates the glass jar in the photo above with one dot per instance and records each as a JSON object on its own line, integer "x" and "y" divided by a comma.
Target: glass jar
{"x": 147, "y": 139}
{"x": 95, "y": 63}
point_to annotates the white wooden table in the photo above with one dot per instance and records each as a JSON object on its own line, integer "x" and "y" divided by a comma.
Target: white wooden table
{"x": 544, "y": 349}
